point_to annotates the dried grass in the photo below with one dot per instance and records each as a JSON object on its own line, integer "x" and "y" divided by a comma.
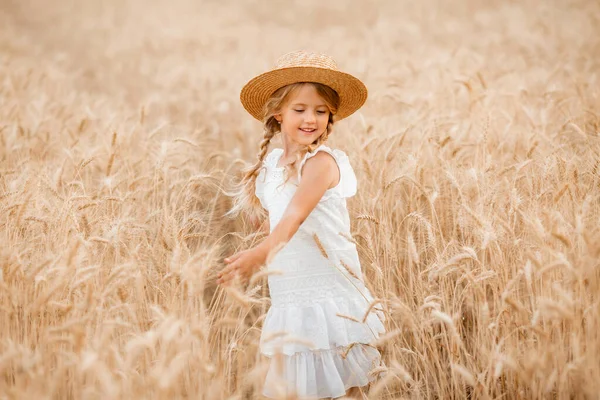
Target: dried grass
{"x": 475, "y": 219}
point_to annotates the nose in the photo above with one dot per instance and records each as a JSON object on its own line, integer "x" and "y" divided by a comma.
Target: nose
{"x": 310, "y": 117}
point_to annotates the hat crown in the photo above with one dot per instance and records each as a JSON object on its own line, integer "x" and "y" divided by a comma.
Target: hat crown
{"x": 303, "y": 58}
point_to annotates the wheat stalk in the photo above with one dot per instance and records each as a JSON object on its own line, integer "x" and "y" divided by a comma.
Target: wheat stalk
{"x": 348, "y": 317}
{"x": 349, "y": 270}
{"x": 320, "y": 245}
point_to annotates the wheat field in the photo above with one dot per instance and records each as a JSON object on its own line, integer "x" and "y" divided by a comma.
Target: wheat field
{"x": 477, "y": 215}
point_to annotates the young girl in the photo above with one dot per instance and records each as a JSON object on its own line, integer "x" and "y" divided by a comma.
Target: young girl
{"x": 322, "y": 317}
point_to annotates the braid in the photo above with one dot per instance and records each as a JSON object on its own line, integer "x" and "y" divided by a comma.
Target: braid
{"x": 245, "y": 197}
{"x": 252, "y": 172}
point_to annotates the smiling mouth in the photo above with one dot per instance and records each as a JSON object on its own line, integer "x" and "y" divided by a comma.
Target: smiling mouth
{"x": 307, "y": 131}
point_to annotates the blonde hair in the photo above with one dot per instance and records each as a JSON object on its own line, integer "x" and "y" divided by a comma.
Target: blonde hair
{"x": 244, "y": 193}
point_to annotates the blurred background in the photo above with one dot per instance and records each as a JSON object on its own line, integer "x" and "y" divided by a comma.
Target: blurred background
{"x": 477, "y": 154}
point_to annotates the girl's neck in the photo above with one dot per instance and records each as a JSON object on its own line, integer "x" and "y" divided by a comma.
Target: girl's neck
{"x": 290, "y": 150}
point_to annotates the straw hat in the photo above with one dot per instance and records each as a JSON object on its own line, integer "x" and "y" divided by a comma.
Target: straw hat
{"x": 304, "y": 66}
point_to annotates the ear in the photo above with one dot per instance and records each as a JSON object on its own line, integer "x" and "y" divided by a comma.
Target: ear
{"x": 277, "y": 117}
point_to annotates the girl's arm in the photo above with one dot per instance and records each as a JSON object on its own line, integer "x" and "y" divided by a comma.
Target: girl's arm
{"x": 319, "y": 174}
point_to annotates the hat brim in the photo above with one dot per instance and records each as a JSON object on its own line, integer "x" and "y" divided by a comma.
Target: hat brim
{"x": 352, "y": 92}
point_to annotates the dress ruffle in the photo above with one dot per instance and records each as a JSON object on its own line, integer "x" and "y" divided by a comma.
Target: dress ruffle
{"x": 321, "y": 373}
{"x": 293, "y": 329}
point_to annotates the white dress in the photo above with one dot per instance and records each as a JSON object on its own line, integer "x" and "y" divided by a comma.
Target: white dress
{"x": 302, "y": 333}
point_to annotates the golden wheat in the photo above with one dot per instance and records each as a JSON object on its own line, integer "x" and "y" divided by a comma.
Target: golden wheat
{"x": 475, "y": 219}
{"x": 320, "y": 245}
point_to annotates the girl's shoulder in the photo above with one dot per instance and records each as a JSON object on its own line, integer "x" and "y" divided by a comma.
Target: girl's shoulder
{"x": 348, "y": 183}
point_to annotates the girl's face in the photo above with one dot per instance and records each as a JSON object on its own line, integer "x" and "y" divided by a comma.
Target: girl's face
{"x": 304, "y": 116}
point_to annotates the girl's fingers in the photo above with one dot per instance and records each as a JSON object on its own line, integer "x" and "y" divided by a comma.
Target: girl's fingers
{"x": 225, "y": 275}
{"x": 223, "y": 279}
{"x": 226, "y": 278}
{"x": 230, "y": 272}
{"x": 226, "y": 271}
{"x": 233, "y": 258}
{"x": 232, "y": 265}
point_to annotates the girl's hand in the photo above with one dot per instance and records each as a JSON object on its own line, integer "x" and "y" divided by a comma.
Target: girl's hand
{"x": 244, "y": 264}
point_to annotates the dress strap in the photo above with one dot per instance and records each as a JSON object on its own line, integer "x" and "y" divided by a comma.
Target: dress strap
{"x": 272, "y": 158}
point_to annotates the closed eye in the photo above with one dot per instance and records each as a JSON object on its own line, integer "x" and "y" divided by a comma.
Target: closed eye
{"x": 320, "y": 112}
